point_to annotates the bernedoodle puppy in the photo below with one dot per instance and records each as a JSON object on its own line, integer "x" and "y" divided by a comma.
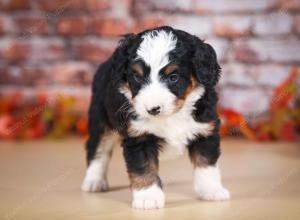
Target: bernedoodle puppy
{"x": 156, "y": 92}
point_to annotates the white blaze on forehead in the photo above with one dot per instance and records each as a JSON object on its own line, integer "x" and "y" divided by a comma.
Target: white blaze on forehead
{"x": 154, "y": 50}
{"x": 155, "y": 47}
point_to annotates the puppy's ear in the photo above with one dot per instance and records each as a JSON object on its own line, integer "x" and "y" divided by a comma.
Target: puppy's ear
{"x": 206, "y": 67}
{"x": 121, "y": 56}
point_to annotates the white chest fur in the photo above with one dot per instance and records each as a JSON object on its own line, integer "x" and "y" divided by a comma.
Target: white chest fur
{"x": 176, "y": 129}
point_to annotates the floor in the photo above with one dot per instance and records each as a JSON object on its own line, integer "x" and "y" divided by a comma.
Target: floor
{"x": 41, "y": 180}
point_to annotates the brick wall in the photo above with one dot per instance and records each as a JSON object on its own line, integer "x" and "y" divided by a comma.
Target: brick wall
{"x": 55, "y": 46}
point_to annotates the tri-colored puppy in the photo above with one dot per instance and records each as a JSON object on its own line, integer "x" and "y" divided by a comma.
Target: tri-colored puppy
{"x": 156, "y": 91}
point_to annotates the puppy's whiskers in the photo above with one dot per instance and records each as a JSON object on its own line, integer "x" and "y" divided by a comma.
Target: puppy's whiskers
{"x": 124, "y": 107}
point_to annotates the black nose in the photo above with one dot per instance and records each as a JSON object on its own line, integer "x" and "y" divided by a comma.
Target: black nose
{"x": 154, "y": 111}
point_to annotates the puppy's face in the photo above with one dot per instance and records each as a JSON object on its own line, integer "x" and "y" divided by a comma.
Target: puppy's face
{"x": 161, "y": 74}
{"x": 158, "y": 81}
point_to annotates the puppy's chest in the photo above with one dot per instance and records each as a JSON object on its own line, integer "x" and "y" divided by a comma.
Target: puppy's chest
{"x": 176, "y": 130}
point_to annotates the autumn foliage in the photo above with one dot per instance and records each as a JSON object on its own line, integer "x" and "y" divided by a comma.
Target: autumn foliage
{"x": 57, "y": 117}
{"x": 282, "y": 121}
{"x": 39, "y": 117}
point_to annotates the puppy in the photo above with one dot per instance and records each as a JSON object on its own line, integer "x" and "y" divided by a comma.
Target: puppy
{"x": 156, "y": 91}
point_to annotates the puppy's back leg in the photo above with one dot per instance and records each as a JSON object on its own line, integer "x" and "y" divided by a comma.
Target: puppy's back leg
{"x": 96, "y": 174}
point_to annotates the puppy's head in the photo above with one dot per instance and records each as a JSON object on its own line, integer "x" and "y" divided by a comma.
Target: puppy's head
{"x": 165, "y": 68}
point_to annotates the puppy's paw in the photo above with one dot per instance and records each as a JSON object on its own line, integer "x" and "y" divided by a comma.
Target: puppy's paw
{"x": 217, "y": 193}
{"x": 94, "y": 185}
{"x": 148, "y": 198}
{"x": 208, "y": 186}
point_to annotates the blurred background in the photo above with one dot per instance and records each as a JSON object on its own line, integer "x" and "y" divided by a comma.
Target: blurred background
{"x": 49, "y": 51}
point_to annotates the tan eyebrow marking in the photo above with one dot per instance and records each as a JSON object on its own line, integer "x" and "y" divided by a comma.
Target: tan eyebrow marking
{"x": 170, "y": 69}
{"x": 138, "y": 69}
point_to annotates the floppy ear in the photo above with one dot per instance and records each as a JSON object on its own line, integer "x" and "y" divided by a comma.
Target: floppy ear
{"x": 206, "y": 67}
{"x": 121, "y": 56}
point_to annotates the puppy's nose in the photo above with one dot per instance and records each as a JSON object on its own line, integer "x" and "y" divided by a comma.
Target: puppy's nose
{"x": 154, "y": 111}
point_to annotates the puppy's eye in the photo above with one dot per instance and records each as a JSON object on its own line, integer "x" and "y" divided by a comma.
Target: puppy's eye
{"x": 135, "y": 73}
{"x": 138, "y": 78}
{"x": 173, "y": 78}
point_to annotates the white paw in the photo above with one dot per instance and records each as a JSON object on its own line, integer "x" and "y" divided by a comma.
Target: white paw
{"x": 148, "y": 198}
{"x": 208, "y": 186}
{"x": 95, "y": 178}
{"x": 94, "y": 185}
{"x": 214, "y": 194}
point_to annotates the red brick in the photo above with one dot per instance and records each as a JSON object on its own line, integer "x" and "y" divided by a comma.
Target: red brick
{"x": 147, "y": 23}
{"x": 73, "y": 73}
{"x": 46, "y": 49}
{"x": 267, "y": 75}
{"x": 198, "y": 25}
{"x": 172, "y": 5}
{"x": 13, "y": 5}
{"x": 140, "y": 7}
{"x": 271, "y": 75}
{"x": 95, "y": 5}
{"x": 221, "y": 46}
{"x": 121, "y": 9}
{"x": 177, "y": 5}
{"x": 34, "y": 50}
{"x": 93, "y": 49}
{"x": 292, "y": 5}
{"x": 6, "y": 25}
{"x": 30, "y": 25}
{"x": 36, "y": 75}
{"x": 249, "y": 101}
{"x": 25, "y": 76}
{"x": 4, "y": 73}
{"x": 3, "y": 26}
{"x": 272, "y": 24}
{"x": 13, "y": 51}
{"x": 109, "y": 26}
{"x": 232, "y": 26}
{"x": 235, "y": 74}
{"x": 225, "y": 6}
{"x": 72, "y": 26}
{"x": 262, "y": 50}
{"x": 297, "y": 23}
{"x": 59, "y": 6}
{"x": 242, "y": 52}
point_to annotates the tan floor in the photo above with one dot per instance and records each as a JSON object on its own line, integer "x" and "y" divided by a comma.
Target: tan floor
{"x": 41, "y": 179}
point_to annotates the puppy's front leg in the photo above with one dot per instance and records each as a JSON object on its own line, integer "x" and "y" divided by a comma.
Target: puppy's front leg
{"x": 204, "y": 153}
{"x": 141, "y": 156}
